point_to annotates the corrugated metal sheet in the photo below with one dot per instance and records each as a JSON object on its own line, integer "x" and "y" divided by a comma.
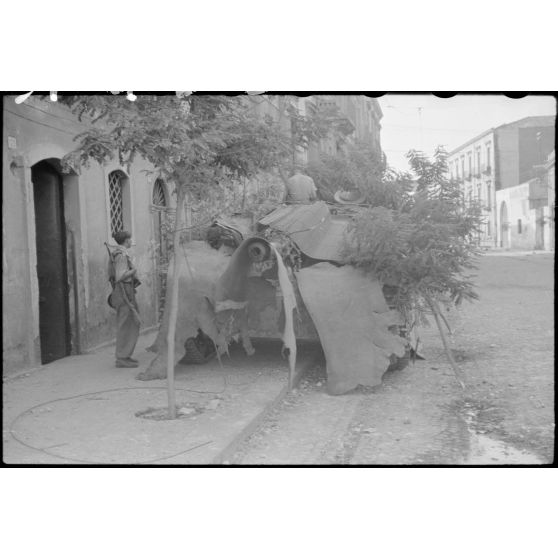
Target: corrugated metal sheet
{"x": 312, "y": 227}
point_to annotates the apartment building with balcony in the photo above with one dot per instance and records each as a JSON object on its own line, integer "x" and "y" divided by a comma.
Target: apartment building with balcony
{"x": 473, "y": 165}
{"x": 499, "y": 158}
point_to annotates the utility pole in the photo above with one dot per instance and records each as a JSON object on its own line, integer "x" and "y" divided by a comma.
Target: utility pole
{"x": 419, "y": 109}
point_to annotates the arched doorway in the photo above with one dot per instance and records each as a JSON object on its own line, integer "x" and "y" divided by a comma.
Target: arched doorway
{"x": 504, "y": 226}
{"x": 52, "y": 270}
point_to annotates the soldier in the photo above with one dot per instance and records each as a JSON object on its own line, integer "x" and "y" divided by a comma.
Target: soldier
{"x": 123, "y": 299}
{"x": 300, "y": 188}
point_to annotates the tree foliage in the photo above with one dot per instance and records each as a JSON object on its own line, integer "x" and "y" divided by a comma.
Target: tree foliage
{"x": 425, "y": 245}
{"x": 191, "y": 141}
{"x": 358, "y": 167}
{"x": 195, "y": 142}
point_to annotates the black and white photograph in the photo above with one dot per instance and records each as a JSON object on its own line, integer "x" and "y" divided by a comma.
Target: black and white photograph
{"x": 260, "y": 278}
{"x": 278, "y": 279}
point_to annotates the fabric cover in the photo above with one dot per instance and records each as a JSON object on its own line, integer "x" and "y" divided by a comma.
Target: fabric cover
{"x": 352, "y": 319}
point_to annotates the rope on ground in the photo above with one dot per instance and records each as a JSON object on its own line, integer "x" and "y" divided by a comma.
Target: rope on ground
{"x": 52, "y": 454}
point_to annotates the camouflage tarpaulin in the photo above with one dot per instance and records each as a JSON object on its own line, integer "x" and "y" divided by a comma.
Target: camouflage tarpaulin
{"x": 352, "y": 319}
{"x": 196, "y": 293}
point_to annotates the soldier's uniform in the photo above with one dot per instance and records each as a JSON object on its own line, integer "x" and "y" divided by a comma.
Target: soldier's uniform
{"x": 127, "y": 322}
{"x": 300, "y": 189}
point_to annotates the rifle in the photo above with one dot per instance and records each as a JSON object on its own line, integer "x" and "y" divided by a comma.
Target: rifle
{"x": 115, "y": 283}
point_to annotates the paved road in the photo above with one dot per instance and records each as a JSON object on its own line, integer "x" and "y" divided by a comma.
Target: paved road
{"x": 505, "y": 415}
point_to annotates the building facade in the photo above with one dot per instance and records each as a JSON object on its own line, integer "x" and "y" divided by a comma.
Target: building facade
{"x": 500, "y": 158}
{"x": 54, "y": 226}
{"x": 361, "y": 116}
{"x": 359, "y": 120}
{"x": 550, "y": 174}
{"x": 524, "y": 216}
{"x": 473, "y": 165}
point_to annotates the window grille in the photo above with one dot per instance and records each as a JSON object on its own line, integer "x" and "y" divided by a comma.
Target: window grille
{"x": 115, "y": 201}
{"x": 159, "y": 196}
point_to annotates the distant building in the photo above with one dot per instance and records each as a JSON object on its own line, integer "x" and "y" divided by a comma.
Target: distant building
{"x": 361, "y": 116}
{"x": 526, "y": 211}
{"x": 550, "y": 172}
{"x": 359, "y": 121}
{"x": 501, "y": 158}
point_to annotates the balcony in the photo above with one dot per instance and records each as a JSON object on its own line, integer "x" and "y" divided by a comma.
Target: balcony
{"x": 325, "y": 102}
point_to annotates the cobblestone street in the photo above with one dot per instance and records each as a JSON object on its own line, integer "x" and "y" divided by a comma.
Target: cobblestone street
{"x": 504, "y": 345}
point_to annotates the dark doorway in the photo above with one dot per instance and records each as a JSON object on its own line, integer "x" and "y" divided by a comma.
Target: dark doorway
{"x": 504, "y": 226}
{"x": 52, "y": 274}
{"x": 539, "y": 229}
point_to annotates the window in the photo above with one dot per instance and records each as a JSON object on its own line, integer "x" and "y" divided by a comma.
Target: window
{"x": 519, "y": 226}
{"x": 119, "y": 202}
{"x": 478, "y": 160}
{"x": 488, "y": 163}
{"x": 488, "y": 196}
{"x": 115, "y": 201}
{"x": 470, "y": 162}
{"x": 463, "y": 167}
{"x": 488, "y": 231}
{"x": 159, "y": 194}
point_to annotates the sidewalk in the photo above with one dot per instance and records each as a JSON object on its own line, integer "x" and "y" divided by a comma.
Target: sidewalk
{"x": 512, "y": 253}
{"x": 82, "y": 410}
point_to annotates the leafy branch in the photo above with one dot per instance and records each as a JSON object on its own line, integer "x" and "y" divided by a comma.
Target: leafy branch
{"x": 423, "y": 246}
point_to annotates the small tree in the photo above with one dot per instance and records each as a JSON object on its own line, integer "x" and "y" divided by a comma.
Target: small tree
{"x": 195, "y": 143}
{"x": 423, "y": 246}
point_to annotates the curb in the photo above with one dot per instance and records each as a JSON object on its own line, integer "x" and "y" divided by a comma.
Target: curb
{"x": 252, "y": 426}
{"x": 106, "y": 344}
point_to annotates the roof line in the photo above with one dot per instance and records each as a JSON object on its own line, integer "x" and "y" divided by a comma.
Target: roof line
{"x": 477, "y": 137}
{"x": 453, "y": 151}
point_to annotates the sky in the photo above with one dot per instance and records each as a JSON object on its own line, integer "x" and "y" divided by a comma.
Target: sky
{"x": 424, "y": 121}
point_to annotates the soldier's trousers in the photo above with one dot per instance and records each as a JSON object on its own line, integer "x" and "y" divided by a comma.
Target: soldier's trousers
{"x": 127, "y": 332}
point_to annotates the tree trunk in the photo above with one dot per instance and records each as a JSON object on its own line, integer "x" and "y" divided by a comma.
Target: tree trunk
{"x": 188, "y": 211}
{"x": 285, "y": 181}
{"x": 173, "y": 301}
{"x": 436, "y": 311}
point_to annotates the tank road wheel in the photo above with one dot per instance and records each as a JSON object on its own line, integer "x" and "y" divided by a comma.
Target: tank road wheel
{"x": 399, "y": 363}
{"x": 395, "y": 362}
{"x": 199, "y": 350}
